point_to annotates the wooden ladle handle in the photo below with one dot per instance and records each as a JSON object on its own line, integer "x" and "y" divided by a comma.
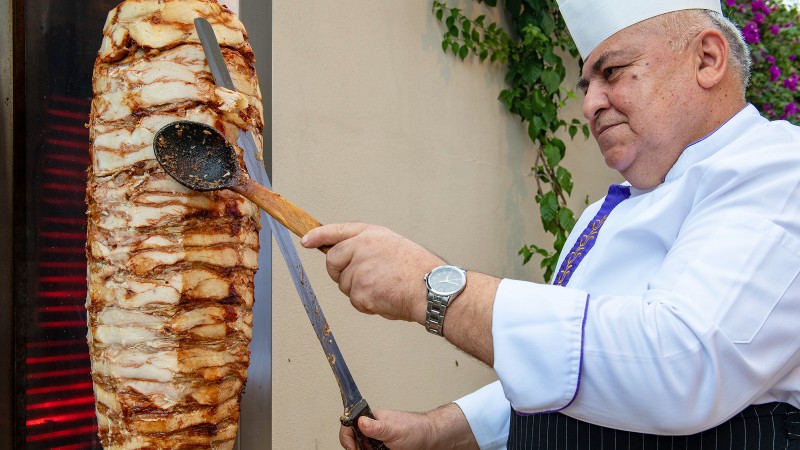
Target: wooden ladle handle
{"x": 293, "y": 218}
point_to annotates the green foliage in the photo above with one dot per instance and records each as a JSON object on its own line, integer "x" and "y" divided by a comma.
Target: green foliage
{"x": 534, "y": 75}
{"x": 770, "y": 30}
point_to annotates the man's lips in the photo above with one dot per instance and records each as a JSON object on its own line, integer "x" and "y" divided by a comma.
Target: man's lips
{"x": 605, "y": 127}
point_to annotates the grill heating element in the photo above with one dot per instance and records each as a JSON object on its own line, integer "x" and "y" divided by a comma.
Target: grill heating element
{"x": 59, "y": 404}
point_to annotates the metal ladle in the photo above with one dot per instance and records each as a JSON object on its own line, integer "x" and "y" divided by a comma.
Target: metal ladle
{"x": 200, "y": 158}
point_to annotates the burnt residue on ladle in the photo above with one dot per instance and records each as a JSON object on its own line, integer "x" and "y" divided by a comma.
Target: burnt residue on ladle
{"x": 196, "y": 155}
{"x": 200, "y": 158}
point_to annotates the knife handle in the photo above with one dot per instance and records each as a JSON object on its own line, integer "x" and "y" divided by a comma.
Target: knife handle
{"x": 350, "y": 419}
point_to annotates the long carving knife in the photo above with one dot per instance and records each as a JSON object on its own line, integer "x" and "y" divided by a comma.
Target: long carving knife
{"x": 355, "y": 405}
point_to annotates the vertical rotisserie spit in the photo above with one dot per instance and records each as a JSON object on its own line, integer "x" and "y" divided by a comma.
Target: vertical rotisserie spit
{"x": 170, "y": 270}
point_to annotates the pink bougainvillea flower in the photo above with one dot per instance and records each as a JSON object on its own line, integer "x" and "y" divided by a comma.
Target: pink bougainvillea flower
{"x": 790, "y": 82}
{"x": 774, "y": 73}
{"x": 790, "y": 110}
{"x": 760, "y": 5}
{"x": 751, "y": 33}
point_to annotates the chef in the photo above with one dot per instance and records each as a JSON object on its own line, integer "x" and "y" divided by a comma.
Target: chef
{"x": 673, "y": 319}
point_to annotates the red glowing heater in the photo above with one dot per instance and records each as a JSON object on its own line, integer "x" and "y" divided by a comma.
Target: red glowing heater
{"x": 59, "y": 405}
{"x": 46, "y": 398}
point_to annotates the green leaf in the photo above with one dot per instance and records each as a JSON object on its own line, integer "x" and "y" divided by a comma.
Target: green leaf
{"x": 531, "y": 70}
{"x": 445, "y": 45}
{"x": 561, "y": 238}
{"x": 566, "y": 219}
{"x": 547, "y": 262}
{"x": 525, "y": 109}
{"x": 547, "y": 24}
{"x": 463, "y": 52}
{"x": 439, "y": 14}
{"x": 539, "y": 100}
{"x": 504, "y": 96}
{"x": 549, "y": 112}
{"x": 548, "y": 273}
{"x": 454, "y": 47}
{"x": 564, "y": 179}
{"x": 551, "y": 81}
{"x": 548, "y": 208}
{"x": 535, "y": 127}
{"x": 540, "y": 250}
{"x": 562, "y": 148}
{"x": 550, "y": 57}
{"x": 526, "y": 254}
{"x": 551, "y": 154}
{"x": 573, "y": 130}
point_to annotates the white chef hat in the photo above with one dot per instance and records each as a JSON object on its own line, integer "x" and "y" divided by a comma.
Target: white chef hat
{"x": 591, "y": 22}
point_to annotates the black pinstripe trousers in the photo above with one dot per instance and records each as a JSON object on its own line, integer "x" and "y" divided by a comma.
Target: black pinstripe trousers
{"x": 760, "y": 427}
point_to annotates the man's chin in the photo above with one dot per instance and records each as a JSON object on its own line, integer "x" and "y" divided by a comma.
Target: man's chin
{"x": 618, "y": 158}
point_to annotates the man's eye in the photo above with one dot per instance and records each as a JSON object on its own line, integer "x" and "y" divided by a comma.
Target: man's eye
{"x": 609, "y": 71}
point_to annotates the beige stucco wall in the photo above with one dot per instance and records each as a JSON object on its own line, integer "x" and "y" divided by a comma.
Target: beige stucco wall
{"x": 374, "y": 123}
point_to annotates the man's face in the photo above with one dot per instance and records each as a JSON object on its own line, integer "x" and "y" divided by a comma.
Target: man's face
{"x": 638, "y": 101}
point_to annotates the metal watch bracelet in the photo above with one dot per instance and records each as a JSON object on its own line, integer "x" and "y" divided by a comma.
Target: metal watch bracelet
{"x": 434, "y": 315}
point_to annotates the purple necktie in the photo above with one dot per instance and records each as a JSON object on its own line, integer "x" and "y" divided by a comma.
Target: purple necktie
{"x": 616, "y": 194}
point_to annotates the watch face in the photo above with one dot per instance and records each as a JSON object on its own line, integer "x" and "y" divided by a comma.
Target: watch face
{"x": 446, "y": 280}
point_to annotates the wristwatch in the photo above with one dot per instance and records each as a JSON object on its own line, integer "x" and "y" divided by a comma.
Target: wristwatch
{"x": 444, "y": 283}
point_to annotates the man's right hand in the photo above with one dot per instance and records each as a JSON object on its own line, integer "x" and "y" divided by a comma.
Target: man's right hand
{"x": 443, "y": 428}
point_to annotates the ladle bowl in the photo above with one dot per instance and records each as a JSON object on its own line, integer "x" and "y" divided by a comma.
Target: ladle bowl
{"x": 197, "y": 156}
{"x": 201, "y": 158}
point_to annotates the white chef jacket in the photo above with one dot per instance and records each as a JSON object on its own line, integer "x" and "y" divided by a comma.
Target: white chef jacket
{"x": 685, "y": 311}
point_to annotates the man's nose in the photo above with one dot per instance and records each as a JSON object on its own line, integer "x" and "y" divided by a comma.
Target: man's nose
{"x": 594, "y": 100}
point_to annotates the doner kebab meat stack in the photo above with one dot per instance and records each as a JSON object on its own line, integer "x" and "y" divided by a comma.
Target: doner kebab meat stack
{"x": 170, "y": 270}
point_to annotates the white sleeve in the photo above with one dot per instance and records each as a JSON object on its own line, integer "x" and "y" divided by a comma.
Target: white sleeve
{"x": 525, "y": 328}
{"x": 488, "y": 414}
{"x": 538, "y": 343}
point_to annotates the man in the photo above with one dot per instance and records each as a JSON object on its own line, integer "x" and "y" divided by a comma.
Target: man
{"x": 673, "y": 321}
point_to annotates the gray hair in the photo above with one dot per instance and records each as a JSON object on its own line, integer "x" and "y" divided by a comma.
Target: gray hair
{"x": 680, "y": 26}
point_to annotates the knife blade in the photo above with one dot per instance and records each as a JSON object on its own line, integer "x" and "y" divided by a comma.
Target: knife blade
{"x": 355, "y": 405}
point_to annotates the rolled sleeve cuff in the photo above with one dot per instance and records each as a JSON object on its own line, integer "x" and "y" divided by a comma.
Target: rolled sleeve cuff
{"x": 538, "y": 335}
{"x": 488, "y": 414}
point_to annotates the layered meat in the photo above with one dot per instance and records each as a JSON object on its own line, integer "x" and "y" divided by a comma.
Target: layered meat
{"x": 170, "y": 270}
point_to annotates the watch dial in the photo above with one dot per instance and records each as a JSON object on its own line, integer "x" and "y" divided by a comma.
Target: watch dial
{"x": 446, "y": 280}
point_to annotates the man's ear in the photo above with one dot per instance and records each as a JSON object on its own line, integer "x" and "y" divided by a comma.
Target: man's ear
{"x": 711, "y": 51}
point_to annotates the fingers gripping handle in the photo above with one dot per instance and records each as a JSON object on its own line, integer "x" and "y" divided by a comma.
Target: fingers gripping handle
{"x": 350, "y": 419}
